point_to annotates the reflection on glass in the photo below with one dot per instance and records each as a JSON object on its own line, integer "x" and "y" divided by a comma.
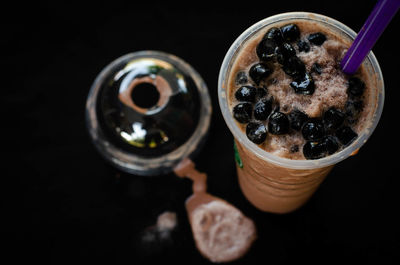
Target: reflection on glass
{"x": 158, "y": 129}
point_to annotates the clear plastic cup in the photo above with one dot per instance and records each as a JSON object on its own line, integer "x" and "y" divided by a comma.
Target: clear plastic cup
{"x": 272, "y": 183}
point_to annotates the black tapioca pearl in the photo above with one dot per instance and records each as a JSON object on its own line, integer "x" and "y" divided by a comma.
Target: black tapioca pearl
{"x": 290, "y": 32}
{"x": 320, "y": 148}
{"x": 241, "y": 78}
{"x": 353, "y": 108}
{"x": 331, "y": 144}
{"x": 317, "y": 38}
{"x": 246, "y": 93}
{"x": 313, "y": 150}
{"x": 256, "y": 132}
{"x": 297, "y": 118}
{"x": 278, "y": 123}
{"x": 284, "y": 52}
{"x": 313, "y": 129}
{"x": 346, "y": 135}
{"x": 242, "y": 112}
{"x": 274, "y": 34}
{"x": 303, "y": 46}
{"x": 303, "y": 84}
{"x": 355, "y": 87}
{"x": 263, "y": 108}
{"x": 259, "y": 71}
{"x": 333, "y": 119}
{"x": 294, "y": 67}
{"x": 266, "y": 49}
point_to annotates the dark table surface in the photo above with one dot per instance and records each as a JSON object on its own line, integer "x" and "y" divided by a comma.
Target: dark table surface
{"x": 63, "y": 203}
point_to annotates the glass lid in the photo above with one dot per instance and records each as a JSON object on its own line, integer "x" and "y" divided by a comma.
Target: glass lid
{"x": 146, "y": 111}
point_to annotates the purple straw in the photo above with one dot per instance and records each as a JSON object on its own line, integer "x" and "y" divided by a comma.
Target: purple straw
{"x": 374, "y": 26}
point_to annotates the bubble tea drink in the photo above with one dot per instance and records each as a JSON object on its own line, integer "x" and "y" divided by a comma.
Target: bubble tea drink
{"x": 293, "y": 113}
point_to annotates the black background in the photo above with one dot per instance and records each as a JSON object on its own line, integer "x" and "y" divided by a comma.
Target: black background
{"x": 63, "y": 203}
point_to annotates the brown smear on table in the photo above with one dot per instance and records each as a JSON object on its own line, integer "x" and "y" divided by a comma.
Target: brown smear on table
{"x": 221, "y": 232}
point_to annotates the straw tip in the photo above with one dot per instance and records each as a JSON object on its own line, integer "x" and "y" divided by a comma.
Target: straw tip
{"x": 369, "y": 34}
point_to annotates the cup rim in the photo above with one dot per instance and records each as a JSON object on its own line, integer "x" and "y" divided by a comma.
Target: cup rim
{"x": 259, "y": 152}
